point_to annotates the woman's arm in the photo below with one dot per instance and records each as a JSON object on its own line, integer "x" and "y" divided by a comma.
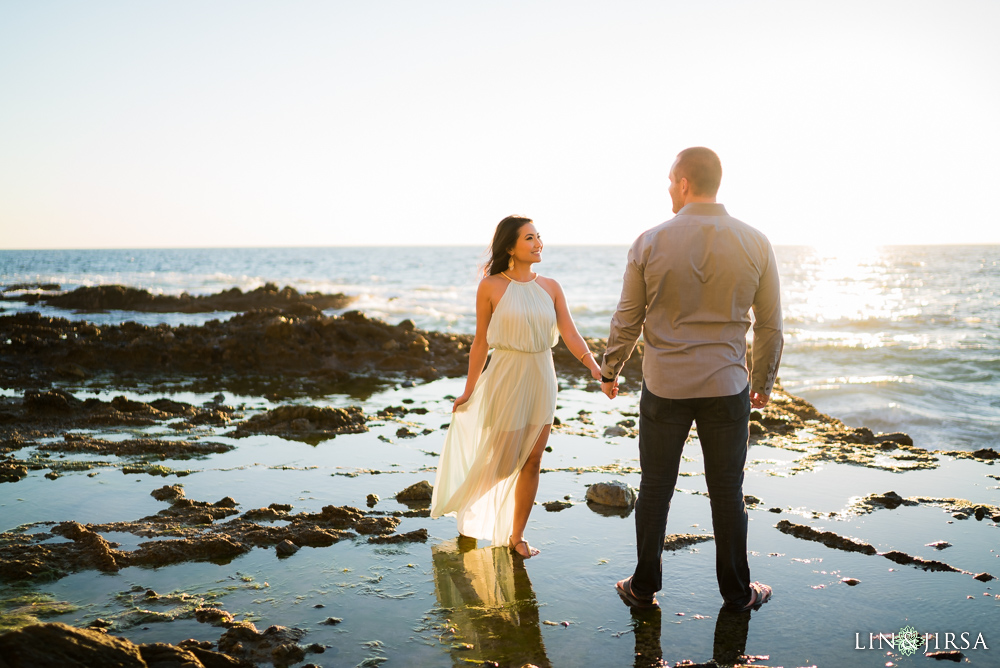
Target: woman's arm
{"x": 570, "y": 335}
{"x": 479, "y": 348}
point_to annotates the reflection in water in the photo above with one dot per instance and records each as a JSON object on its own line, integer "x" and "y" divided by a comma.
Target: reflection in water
{"x": 487, "y": 596}
{"x": 728, "y": 649}
{"x": 731, "y": 630}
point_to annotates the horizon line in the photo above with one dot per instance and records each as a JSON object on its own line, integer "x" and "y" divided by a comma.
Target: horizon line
{"x": 484, "y": 247}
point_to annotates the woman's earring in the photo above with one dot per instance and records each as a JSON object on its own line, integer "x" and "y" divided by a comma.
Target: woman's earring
{"x": 510, "y": 263}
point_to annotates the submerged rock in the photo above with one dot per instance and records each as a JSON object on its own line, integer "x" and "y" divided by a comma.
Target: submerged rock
{"x": 305, "y": 423}
{"x": 417, "y": 536}
{"x": 676, "y": 541}
{"x": 615, "y": 494}
{"x": 556, "y": 506}
{"x": 948, "y": 655}
{"x": 828, "y": 538}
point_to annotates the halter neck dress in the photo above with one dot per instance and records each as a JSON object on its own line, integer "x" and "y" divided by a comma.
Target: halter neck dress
{"x": 492, "y": 434}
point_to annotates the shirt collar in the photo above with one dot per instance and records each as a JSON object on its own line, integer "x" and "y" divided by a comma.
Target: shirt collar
{"x": 703, "y": 209}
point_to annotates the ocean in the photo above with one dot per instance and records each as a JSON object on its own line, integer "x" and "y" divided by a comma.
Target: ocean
{"x": 895, "y": 338}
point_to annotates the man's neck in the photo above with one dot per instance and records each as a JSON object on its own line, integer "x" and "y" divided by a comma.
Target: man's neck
{"x": 700, "y": 199}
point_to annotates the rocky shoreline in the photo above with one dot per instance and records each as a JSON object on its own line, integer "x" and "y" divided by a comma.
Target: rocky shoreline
{"x": 294, "y": 352}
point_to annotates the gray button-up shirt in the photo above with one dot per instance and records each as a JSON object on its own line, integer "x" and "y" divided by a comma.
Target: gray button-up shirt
{"x": 689, "y": 286}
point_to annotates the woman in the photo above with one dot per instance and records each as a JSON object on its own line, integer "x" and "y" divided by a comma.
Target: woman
{"x": 489, "y": 467}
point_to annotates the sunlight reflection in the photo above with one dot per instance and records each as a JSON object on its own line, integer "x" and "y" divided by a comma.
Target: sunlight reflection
{"x": 846, "y": 283}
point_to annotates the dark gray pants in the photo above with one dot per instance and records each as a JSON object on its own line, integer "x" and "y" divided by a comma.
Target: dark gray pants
{"x": 723, "y": 431}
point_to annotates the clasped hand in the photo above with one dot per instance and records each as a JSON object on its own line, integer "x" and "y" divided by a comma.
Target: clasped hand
{"x": 610, "y": 389}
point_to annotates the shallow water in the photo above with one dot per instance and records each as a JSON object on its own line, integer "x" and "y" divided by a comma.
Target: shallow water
{"x": 399, "y": 602}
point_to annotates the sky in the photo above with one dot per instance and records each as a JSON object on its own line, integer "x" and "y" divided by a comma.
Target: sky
{"x": 246, "y": 123}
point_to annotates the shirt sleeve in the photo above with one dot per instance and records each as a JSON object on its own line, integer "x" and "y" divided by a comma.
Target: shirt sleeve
{"x": 626, "y": 323}
{"x": 768, "y": 340}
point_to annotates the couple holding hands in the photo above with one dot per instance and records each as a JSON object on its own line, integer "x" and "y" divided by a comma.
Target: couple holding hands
{"x": 690, "y": 284}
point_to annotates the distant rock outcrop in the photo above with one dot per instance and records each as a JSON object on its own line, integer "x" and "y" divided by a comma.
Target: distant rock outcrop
{"x": 120, "y": 297}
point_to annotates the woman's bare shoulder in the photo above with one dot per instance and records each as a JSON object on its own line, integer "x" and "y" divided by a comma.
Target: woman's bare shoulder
{"x": 491, "y": 285}
{"x": 550, "y": 285}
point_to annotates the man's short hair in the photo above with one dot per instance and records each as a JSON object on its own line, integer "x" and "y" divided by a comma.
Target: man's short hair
{"x": 702, "y": 168}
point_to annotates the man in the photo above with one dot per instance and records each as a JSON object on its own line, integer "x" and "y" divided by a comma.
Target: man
{"x": 689, "y": 286}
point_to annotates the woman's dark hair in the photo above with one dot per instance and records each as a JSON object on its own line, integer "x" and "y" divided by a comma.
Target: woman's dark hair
{"x": 504, "y": 240}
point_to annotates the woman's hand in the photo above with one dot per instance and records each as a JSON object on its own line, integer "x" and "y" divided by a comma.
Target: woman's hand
{"x": 595, "y": 372}
{"x": 461, "y": 400}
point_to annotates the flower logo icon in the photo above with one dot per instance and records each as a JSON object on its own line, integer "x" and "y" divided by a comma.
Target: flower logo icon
{"x": 908, "y": 641}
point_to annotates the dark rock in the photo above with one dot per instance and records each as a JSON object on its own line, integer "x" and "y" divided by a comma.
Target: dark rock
{"x": 118, "y": 297}
{"x": 417, "y": 536}
{"x": 52, "y": 400}
{"x": 213, "y": 616}
{"x": 939, "y": 545}
{"x": 376, "y": 525}
{"x": 421, "y": 491}
{"x": 371, "y": 500}
{"x": 556, "y": 506}
{"x": 894, "y": 437}
{"x": 62, "y": 646}
{"x": 984, "y": 577}
{"x": 168, "y": 492}
{"x": 828, "y": 538}
{"x": 269, "y": 514}
{"x": 615, "y": 493}
{"x": 286, "y": 548}
{"x": 10, "y": 472}
{"x": 851, "y": 582}
{"x": 305, "y": 423}
{"x": 751, "y": 500}
{"x": 927, "y": 565}
{"x": 676, "y": 541}
{"x": 277, "y": 644}
{"x": 951, "y": 655}
{"x": 165, "y": 552}
{"x": 93, "y": 547}
{"x": 332, "y": 621}
{"x": 890, "y": 500}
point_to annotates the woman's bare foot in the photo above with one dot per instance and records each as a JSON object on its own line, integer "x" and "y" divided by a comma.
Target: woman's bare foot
{"x": 521, "y": 548}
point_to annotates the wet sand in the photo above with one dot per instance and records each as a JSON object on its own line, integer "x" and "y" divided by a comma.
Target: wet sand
{"x": 255, "y": 509}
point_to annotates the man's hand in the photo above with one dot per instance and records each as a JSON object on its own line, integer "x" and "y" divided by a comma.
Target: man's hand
{"x": 758, "y": 400}
{"x": 610, "y": 389}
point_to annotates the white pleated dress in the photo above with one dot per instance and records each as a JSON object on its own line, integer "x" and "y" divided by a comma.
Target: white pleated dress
{"x": 492, "y": 434}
